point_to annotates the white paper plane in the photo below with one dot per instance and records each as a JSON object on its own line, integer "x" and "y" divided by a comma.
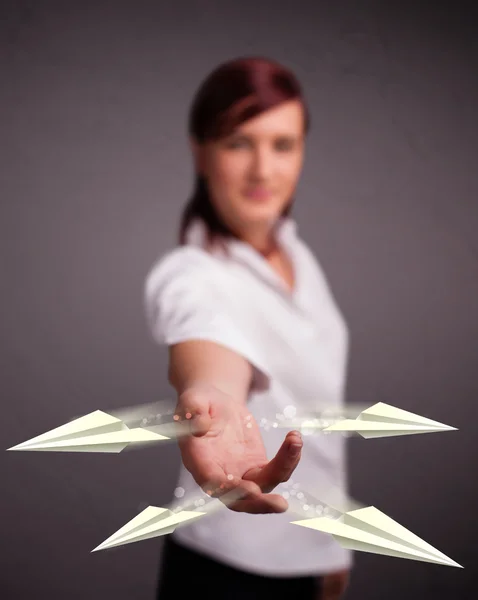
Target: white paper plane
{"x": 95, "y": 432}
{"x": 383, "y": 420}
{"x": 151, "y": 522}
{"x": 370, "y": 530}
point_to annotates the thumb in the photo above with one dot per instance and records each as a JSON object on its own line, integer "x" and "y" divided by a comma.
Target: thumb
{"x": 280, "y": 468}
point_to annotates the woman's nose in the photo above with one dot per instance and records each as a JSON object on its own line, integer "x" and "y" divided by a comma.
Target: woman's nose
{"x": 262, "y": 164}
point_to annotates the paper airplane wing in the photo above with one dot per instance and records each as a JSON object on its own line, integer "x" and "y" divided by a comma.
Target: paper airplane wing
{"x": 376, "y": 429}
{"x": 370, "y": 530}
{"x": 390, "y": 414}
{"x": 151, "y": 522}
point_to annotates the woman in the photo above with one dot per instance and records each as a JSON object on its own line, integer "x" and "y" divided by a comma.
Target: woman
{"x": 252, "y": 331}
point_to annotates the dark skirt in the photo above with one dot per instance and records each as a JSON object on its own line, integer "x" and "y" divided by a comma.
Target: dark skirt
{"x": 186, "y": 573}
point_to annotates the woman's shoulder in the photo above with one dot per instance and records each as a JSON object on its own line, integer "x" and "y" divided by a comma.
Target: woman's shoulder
{"x": 190, "y": 264}
{"x": 184, "y": 258}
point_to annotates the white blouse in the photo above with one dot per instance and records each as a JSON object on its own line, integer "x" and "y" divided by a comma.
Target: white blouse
{"x": 297, "y": 344}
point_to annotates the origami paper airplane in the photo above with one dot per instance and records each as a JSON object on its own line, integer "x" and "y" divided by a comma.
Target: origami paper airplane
{"x": 95, "y": 432}
{"x": 383, "y": 420}
{"x": 151, "y": 522}
{"x": 380, "y": 420}
{"x": 370, "y": 530}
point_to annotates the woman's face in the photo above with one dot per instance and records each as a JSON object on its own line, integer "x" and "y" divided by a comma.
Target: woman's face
{"x": 252, "y": 174}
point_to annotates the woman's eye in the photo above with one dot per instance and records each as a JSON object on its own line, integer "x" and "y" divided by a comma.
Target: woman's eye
{"x": 281, "y": 145}
{"x": 236, "y": 144}
{"x": 284, "y": 145}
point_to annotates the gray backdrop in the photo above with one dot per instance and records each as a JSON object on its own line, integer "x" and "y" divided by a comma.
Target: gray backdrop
{"x": 95, "y": 170}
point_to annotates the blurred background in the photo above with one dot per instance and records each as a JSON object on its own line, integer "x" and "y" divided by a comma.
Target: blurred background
{"x": 95, "y": 171}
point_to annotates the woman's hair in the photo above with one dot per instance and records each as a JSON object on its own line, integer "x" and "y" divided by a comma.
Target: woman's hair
{"x": 233, "y": 93}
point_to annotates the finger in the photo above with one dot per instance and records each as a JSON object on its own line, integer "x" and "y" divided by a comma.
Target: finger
{"x": 192, "y": 411}
{"x": 248, "y": 497}
{"x": 242, "y": 496}
{"x": 281, "y": 467}
{"x": 211, "y": 478}
{"x": 263, "y": 504}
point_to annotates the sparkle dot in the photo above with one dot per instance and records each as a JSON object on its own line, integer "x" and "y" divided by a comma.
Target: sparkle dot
{"x": 249, "y": 425}
{"x": 230, "y": 477}
{"x": 188, "y": 415}
{"x": 248, "y": 418}
{"x": 275, "y": 424}
{"x": 307, "y": 427}
{"x": 209, "y": 492}
{"x": 176, "y": 417}
{"x": 285, "y": 495}
{"x": 201, "y": 502}
{"x": 144, "y": 422}
{"x": 179, "y": 492}
{"x": 290, "y": 412}
{"x": 306, "y": 507}
{"x": 296, "y": 486}
{"x": 178, "y": 508}
{"x": 293, "y": 492}
{"x": 300, "y": 495}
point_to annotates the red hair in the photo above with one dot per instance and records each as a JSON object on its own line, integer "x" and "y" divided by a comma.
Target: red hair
{"x": 233, "y": 93}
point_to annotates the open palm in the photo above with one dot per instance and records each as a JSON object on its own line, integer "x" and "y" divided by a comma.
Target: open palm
{"x": 226, "y": 455}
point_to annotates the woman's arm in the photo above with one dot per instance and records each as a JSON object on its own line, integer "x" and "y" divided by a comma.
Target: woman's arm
{"x": 197, "y": 364}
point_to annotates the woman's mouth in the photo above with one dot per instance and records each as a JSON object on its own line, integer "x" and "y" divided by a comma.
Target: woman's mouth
{"x": 258, "y": 193}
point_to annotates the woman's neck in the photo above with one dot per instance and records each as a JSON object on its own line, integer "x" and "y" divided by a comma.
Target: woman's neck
{"x": 261, "y": 239}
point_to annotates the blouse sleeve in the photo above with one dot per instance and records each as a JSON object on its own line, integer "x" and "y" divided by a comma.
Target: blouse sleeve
{"x": 186, "y": 299}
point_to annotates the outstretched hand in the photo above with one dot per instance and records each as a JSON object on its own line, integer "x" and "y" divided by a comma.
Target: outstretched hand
{"x": 225, "y": 453}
